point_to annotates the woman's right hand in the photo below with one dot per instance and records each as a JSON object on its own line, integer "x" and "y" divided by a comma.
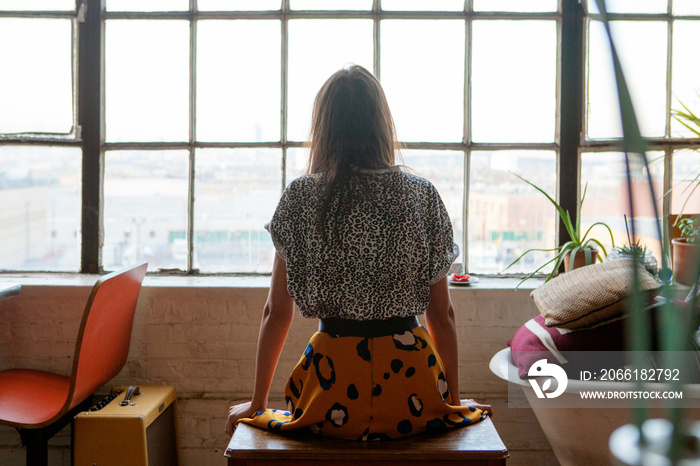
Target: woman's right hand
{"x": 482, "y": 407}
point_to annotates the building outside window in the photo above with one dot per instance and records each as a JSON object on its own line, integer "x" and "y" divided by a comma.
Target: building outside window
{"x": 166, "y": 130}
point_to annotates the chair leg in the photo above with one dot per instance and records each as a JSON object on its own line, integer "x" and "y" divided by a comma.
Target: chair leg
{"x": 37, "y": 445}
{"x": 36, "y": 441}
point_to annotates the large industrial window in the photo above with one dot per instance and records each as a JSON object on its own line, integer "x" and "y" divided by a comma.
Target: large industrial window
{"x": 656, "y": 41}
{"x": 167, "y": 130}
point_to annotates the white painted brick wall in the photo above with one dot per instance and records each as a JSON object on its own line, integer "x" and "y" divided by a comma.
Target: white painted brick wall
{"x": 199, "y": 335}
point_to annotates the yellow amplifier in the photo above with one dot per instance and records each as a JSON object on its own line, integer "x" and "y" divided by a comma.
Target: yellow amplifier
{"x": 135, "y": 426}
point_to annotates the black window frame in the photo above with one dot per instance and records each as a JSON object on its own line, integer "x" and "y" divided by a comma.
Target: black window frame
{"x": 89, "y": 19}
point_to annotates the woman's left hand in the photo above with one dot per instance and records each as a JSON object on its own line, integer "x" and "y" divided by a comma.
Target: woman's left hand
{"x": 482, "y": 407}
{"x": 237, "y": 412}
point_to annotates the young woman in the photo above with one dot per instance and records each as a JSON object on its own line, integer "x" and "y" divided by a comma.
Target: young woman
{"x": 365, "y": 247}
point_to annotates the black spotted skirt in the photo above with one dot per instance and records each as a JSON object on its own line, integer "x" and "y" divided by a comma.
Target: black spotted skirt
{"x": 368, "y": 388}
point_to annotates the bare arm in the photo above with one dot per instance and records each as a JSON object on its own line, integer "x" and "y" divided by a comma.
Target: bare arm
{"x": 440, "y": 319}
{"x": 276, "y": 321}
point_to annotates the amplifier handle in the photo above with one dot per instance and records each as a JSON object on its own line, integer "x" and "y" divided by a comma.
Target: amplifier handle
{"x": 131, "y": 391}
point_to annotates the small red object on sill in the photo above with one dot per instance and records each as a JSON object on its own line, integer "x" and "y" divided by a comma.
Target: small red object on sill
{"x": 459, "y": 278}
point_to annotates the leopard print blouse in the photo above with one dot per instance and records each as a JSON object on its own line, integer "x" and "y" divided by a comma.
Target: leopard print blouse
{"x": 396, "y": 241}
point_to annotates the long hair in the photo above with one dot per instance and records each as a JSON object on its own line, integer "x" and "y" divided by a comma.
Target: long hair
{"x": 351, "y": 129}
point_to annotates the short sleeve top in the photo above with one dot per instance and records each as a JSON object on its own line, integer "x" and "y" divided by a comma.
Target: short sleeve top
{"x": 396, "y": 241}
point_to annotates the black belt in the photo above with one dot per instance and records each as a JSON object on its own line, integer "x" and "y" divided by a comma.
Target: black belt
{"x": 367, "y": 328}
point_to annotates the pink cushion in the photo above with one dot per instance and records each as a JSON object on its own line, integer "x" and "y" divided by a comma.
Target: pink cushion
{"x": 590, "y": 348}
{"x": 534, "y": 341}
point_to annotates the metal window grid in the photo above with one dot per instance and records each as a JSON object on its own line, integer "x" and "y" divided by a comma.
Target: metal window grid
{"x": 89, "y": 20}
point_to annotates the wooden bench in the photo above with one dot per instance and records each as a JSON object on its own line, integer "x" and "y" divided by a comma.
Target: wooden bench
{"x": 474, "y": 445}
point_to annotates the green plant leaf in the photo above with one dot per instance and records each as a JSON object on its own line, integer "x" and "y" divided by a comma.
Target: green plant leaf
{"x": 612, "y": 239}
{"x": 536, "y": 271}
{"x": 560, "y": 210}
{"x": 681, "y": 121}
{"x": 527, "y": 252}
{"x": 560, "y": 260}
{"x": 572, "y": 256}
{"x": 568, "y": 245}
{"x": 570, "y": 228}
{"x": 632, "y": 143}
{"x": 632, "y": 137}
{"x": 574, "y": 231}
{"x": 686, "y": 118}
{"x": 598, "y": 243}
{"x": 579, "y": 208}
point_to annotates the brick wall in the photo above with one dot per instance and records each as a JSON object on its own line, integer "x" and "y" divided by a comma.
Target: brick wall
{"x": 199, "y": 335}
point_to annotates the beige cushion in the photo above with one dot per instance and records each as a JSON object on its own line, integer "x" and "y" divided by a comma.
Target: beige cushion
{"x": 592, "y": 294}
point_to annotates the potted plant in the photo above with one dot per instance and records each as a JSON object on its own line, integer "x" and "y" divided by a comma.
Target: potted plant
{"x": 686, "y": 252}
{"x": 635, "y": 250}
{"x": 641, "y": 253}
{"x": 682, "y": 255}
{"x": 580, "y": 250}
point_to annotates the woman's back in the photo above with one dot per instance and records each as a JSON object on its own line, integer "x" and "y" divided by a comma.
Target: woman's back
{"x": 376, "y": 260}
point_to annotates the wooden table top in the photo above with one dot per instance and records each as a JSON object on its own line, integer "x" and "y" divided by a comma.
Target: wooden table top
{"x": 479, "y": 441}
{"x": 8, "y": 289}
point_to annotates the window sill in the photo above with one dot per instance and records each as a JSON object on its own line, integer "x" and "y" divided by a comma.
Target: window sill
{"x": 82, "y": 280}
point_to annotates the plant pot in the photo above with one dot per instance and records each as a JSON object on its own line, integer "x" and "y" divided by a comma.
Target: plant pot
{"x": 579, "y": 260}
{"x": 673, "y": 219}
{"x": 686, "y": 259}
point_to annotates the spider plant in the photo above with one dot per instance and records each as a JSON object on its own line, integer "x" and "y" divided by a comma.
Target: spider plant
{"x": 579, "y": 240}
{"x": 691, "y": 121}
{"x": 632, "y": 248}
{"x": 687, "y": 118}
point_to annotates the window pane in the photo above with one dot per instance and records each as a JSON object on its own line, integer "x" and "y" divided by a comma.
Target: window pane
{"x": 515, "y": 5}
{"x": 445, "y": 169}
{"x": 147, "y": 80}
{"x": 514, "y": 81}
{"x": 686, "y": 7}
{"x": 238, "y": 92}
{"x": 686, "y": 175}
{"x": 607, "y": 198}
{"x": 236, "y": 193}
{"x": 37, "y": 95}
{"x": 506, "y": 216}
{"x": 145, "y": 209}
{"x": 641, "y": 47}
{"x": 317, "y": 49}
{"x": 418, "y": 5}
{"x": 631, "y": 6}
{"x": 238, "y": 5}
{"x": 295, "y": 165}
{"x": 326, "y": 5}
{"x": 40, "y": 196}
{"x": 37, "y": 5}
{"x": 426, "y": 100}
{"x": 147, "y": 5}
{"x": 686, "y": 73}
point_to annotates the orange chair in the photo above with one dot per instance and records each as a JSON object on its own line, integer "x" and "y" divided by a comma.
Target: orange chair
{"x": 40, "y": 403}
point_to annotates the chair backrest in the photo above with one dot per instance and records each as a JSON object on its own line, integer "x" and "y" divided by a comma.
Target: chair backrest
{"x": 105, "y": 331}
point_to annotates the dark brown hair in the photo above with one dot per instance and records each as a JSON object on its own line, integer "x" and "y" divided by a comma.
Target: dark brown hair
{"x": 351, "y": 128}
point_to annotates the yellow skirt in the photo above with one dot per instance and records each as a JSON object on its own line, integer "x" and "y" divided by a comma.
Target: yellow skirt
{"x": 369, "y": 388}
